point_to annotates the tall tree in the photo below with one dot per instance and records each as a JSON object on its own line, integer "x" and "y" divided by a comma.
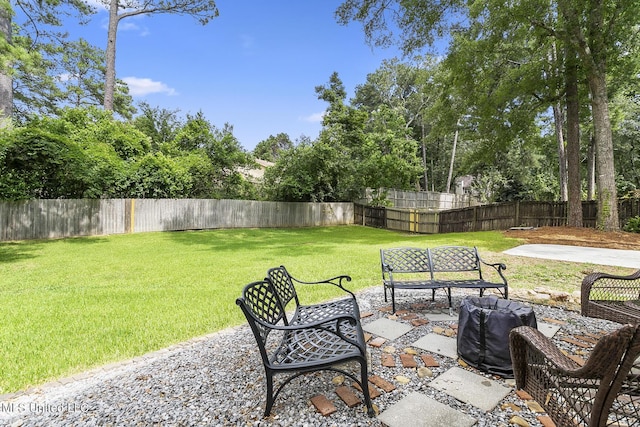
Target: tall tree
{"x": 202, "y": 10}
{"x": 6, "y": 87}
{"x": 601, "y": 28}
{"x": 271, "y": 148}
{"x": 40, "y": 30}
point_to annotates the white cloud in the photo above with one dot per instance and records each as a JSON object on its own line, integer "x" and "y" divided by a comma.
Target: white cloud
{"x": 143, "y": 86}
{"x": 129, "y": 24}
{"x": 314, "y": 118}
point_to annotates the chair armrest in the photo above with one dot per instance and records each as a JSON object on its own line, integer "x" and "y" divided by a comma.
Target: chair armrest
{"x": 603, "y": 360}
{"x": 523, "y": 339}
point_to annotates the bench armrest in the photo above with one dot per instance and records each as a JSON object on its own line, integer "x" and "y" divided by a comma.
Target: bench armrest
{"x": 498, "y": 266}
{"x": 335, "y": 281}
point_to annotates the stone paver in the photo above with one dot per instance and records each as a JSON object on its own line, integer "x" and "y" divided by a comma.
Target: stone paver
{"x": 419, "y": 410}
{"x": 442, "y": 317}
{"x": 468, "y": 387}
{"x": 548, "y": 329}
{"x": 439, "y": 344}
{"x": 323, "y": 405}
{"x": 389, "y": 329}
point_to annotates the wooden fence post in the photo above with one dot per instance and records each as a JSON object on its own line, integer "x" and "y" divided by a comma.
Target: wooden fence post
{"x": 129, "y": 215}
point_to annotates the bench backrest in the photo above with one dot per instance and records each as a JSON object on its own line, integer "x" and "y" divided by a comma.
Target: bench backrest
{"x": 405, "y": 260}
{"x": 454, "y": 259}
{"x": 262, "y": 308}
{"x": 283, "y": 286}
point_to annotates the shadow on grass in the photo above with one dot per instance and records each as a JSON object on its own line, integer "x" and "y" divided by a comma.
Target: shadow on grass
{"x": 28, "y": 249}
{"x": 311, "y": 239}
{"x": 11, "y": 252}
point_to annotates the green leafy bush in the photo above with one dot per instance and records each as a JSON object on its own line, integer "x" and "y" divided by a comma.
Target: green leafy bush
{"x": 633, "y": 225}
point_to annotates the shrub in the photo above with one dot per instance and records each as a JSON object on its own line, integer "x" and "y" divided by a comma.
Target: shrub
{"x": 633, "y": 225}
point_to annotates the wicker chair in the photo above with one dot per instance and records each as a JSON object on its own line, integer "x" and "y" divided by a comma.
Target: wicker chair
{"x": 612, "y": 297}
{"x": 605, "y": 391}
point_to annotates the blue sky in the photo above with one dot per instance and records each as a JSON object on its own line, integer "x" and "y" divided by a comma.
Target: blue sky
{"x": 254, "y": 67}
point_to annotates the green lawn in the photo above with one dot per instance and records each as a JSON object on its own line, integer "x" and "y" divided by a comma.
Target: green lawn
{"x": 72, "y": 304}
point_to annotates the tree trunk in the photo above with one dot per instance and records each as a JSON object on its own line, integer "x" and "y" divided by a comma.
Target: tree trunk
{"x": 605, "y": 182}
{"x": 562, "y": 158}
{"x": 591, "y": 169}
{"x": 110, "y": 72}
{"x": 574, "y": 202}
{"x": 453, "y": 156}
{"x": 6, "y": 83}
{"x": 424, "y": 161}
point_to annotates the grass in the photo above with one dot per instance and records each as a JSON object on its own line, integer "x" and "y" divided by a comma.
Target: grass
{"x": 72, "y": 304}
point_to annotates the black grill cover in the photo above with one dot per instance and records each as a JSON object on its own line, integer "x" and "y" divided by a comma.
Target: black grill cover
{"x": 484, "y": 324}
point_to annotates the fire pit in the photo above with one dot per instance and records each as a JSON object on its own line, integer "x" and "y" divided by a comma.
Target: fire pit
{"x": 484, "y": 324}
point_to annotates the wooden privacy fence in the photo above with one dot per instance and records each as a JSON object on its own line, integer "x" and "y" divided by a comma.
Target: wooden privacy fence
{"x": 43, "y": 219}
{"x": 499, "y": 216}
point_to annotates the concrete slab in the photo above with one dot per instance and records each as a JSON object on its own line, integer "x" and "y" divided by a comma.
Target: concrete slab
{"x": 439, "y": 344}
{"x": 442, "y": 317}
{"x": 599, "y": 256}
{"x": 548, "y": 329}
{"x": 418, "y": 410}
{"x": 389, "y": 329}
{"x": 474, "y": 389}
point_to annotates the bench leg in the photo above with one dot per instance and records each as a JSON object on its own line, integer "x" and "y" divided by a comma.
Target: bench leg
{"x": 365, "y": 386}
{"x": 393, "y": 300}
{"x": 269, "y": 405}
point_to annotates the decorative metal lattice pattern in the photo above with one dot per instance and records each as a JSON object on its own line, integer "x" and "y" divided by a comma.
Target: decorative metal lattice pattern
{"x": 318, "y": 312}
{"x": 314, "y": 346}
{"x": 405, "y": 260}
{"x": 283, "y": 285}
{"x": 454, "y": 258}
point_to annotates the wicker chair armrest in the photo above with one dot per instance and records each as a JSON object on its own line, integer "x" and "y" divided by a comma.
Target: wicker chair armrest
{"x": 605, "y": 357}
{"x": 526, "y": 338}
